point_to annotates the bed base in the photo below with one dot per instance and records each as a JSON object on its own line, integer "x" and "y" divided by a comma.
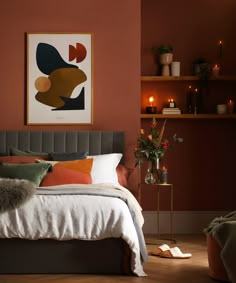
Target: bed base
{"x": 108, "y": 256}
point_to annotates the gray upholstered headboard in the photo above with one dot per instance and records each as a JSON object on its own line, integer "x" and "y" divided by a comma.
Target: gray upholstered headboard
{"x": 94, "y": 142}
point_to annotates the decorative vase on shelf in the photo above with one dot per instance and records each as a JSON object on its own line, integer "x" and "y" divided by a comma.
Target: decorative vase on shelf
{"x": 165, "y": 60}
{"x": 151, "y": 176}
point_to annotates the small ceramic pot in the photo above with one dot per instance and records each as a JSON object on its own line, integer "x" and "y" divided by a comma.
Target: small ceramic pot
{"x": 166, "y": 58}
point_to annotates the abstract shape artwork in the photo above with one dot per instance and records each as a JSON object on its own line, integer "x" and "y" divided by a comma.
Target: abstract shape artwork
{"x": 79, "y": 52}
{"x": 48, "y": 59}
{"x": 73, "y": 103}
{"x": 63, "y": 82}
{"x": 59, "y": 92}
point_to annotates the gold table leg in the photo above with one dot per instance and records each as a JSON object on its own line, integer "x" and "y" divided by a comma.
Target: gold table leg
{"x": 171, "y": 210}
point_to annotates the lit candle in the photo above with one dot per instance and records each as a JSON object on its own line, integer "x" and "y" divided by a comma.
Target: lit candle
{"x": 220, "y": 48}
{"x": 230, "y": 106}
{"x": 151, "y": 109}
{"x": 216, "y": 70}
{"x": 171, "y": 103}
{"x": 151, "y": 99}
{"x": 189, "y": 99}
{"x": 164, "y": 175}
{"x": 195, "y": 102}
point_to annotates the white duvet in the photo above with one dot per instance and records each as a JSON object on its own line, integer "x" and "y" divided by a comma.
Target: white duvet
{"x": 71, "y": 216}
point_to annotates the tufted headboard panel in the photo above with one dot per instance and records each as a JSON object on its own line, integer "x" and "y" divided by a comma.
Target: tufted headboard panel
{"x": 94, "y": 142}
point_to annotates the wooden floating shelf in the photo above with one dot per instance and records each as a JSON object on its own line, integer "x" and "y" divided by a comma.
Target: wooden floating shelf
{"x": 189, "y": 116}
{"x": 184, "y": 78}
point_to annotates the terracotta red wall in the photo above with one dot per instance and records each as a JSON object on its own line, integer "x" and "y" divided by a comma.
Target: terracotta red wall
{"x": 116, "y": 29}
{"x": 193, "y": 28}
{"x": 202, "y": 169}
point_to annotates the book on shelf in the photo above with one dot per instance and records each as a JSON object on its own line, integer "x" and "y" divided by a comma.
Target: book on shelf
{"x": 173, "y": 110}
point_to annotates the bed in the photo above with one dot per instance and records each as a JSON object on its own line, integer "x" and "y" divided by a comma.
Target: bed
{"x": 84, "y": 242}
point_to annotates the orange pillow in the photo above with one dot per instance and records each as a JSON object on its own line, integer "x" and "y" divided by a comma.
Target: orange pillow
{"x": 20, "y": 159}
{"x": 68, "y": 172}
{"x": 62, "y": 176}
{"x": 81, "y": 165}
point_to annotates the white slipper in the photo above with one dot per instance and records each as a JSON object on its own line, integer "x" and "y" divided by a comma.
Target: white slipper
{"x": 160, "y": 249}
{"x": 174, "y": 253}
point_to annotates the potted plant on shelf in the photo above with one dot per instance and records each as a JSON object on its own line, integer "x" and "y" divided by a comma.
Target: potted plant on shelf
{"x": 163, "y": 49}
{"x": 202, "y": 68}
{"x": 163, "y": 53}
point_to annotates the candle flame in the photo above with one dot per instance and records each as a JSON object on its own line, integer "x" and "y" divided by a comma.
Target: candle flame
{"x": 151, "y": 99}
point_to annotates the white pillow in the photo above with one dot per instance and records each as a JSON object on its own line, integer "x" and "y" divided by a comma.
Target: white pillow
{"x": 104, "y": 168}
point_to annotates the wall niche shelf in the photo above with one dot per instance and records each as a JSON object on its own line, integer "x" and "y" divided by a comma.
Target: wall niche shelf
{"x": 168, "y": 79}
{"x": 184, "y": 78}
{"x": 189, "y": 116}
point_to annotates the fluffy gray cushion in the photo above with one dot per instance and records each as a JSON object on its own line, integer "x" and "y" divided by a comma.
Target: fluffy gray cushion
{"x": 14, "y": 193}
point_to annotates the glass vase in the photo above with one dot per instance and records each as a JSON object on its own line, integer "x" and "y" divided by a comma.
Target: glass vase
{"x": 151, "y": 176}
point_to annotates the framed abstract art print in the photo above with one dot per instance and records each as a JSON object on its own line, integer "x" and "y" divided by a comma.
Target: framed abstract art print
{"x": 59, "y": 78}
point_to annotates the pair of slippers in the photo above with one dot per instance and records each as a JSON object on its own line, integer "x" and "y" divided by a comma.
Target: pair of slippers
{"x": 165, "y": 251}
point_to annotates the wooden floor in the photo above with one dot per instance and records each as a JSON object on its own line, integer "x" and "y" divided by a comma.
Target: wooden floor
{"x": 159, "y": 270}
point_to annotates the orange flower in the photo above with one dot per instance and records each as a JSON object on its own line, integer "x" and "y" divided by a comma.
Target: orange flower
{"x": 154, "y": 124}
{"x": 152, "y": 146}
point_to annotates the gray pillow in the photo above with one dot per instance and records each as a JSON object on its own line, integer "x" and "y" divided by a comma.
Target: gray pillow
{"x": 66, "y": 156}
{"x": 19, "y": 152}
{"x": 33, "y": 172}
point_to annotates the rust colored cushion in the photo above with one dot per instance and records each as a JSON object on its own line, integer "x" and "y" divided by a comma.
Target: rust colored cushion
{"x": 68, "y": 172}
{"x": 123, "y": 174}
{"x": 20, "y": 159}
{"x": 216, "y": 267}
{"x": 62, "y": 176}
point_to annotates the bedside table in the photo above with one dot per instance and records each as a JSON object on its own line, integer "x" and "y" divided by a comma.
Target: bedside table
{"x": 159, "y": 187}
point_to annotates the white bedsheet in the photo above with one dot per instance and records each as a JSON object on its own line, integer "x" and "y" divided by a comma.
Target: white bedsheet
{"x": 64, "y": 217}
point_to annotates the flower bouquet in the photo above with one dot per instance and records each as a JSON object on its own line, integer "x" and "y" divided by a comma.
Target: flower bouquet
{"x": 151, "y": 147}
